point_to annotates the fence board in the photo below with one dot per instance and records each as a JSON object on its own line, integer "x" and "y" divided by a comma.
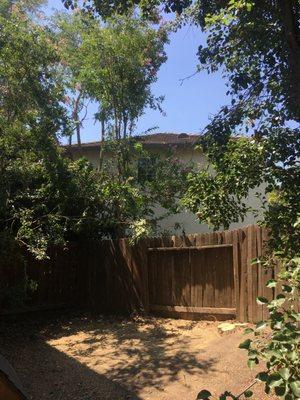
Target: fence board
{"x": 181, "y": 287}
{"x": 197, "y": 282}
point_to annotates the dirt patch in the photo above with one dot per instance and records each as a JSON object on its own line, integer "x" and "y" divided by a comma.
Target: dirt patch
{"x": 110, "y": 359}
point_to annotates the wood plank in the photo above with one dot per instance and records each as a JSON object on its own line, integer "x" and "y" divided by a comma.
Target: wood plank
{"x": 198, "y": 240}
{"x": 192, "y": 240}
{"x": 243, "y": 275}
{"x": 164, "y": 289}
{"x": 220, "y": 238}
{"x": 197, "y": 277}
{"x": 254, "y": 270}
{"x": 152, "y": 277}
{"x": 209, "y": 246}
{"x": 269, "y": 273}
{"x": 260, "y": 274}
{"x": 224, "y": 280}
{"x": 235, "y": 261}
{"x": 229, "y": 274}
{"x": 214, "y": 238}
{"x": 139, "y": 272}
{"x": 200, "y": 310}
{"x": 250, "y": 283}
{"x": 181, "y": 279}
{"x": 203, "y": 239}
{"x": 219, "y": 276}
{"x": 209, "y": 278}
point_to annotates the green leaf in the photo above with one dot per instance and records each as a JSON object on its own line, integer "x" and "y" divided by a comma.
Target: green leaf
{"x": 284, "y": 373}
{"x": 204, "y": 395}
{"x": 295, "y": 386}
{"x": 280, "y": 296}
{"x": 287, "y": 288}
{"x": 246, "y": 344}
{"x": 261, "y": 300}
{"x": 295, "y": 315}
{"x": 248, "y": 330}
{"x": 261, "y": 325}
{"x": 248, "y": 393}
{"x": 249, "y": 6}
{"x": 280, "y": 337}
{"x": 252, "y": 362}
{"x": 280, "y": 390}
{"x": 271, "y": 283}
{"x": 277, "y": 325}
{"x": 262, "y": 376}
{"x": 280, "y": 301}
{"x": 293, "y": 355}
{"x": 274, "y": 380}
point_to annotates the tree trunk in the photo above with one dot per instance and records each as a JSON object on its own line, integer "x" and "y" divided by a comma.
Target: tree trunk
{"x": 76, "y": 118}
{"x": 290, "y": 13}
{"x": 125, "y": 121}
{"x": 101, "y": 144}
{"x": 102, "y": 129}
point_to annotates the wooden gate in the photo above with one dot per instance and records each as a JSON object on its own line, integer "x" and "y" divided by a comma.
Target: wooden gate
{"x": 192, "y": 282}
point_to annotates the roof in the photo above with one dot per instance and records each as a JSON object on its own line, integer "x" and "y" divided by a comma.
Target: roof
{"x": 155, "y": 139}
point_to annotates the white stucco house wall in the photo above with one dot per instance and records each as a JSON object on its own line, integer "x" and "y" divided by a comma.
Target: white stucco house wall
{"x": 184, "y": 146}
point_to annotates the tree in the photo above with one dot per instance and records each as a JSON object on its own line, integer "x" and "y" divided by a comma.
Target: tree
{"x": 27, "y": 6}
{"x": 68, "y": 31}
{"x": 120, "y": 62}
{"x": 273, "y": 43}
{"x": 263, "y": 103}
{"x": 113, "y": 64}
{"x": 148, "y": 8}
{"x": 42, "y": 196}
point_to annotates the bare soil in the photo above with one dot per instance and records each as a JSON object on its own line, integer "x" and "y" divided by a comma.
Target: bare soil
{"x": 77, "y": 357}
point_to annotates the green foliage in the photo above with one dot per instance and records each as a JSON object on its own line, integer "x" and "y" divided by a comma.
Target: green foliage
{"x": 148, "y": 8}
{"x": 130, "y": 195}
{"x": 218, "y": 193}
{"x": 114, "y": 64}
{"x": 280, "y": 349}
{"x": 121, "y": 61}
{"x": 204, "y": 394}
{"x": 26, "y": 6}
{"x": 68, "y": 31}
{"x": 46, "y": 198}
{"x": 42, "y": 196}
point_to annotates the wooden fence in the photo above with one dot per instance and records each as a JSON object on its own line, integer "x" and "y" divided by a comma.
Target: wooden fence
{"x": 117, "y": 277}
{"x": 192, "y": 281}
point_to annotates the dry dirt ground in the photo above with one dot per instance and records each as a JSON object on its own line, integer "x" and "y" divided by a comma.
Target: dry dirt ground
{"x": 76, "y": 357}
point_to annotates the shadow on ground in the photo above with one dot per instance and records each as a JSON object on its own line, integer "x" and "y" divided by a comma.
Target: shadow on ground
{"x": 69, "y": 357}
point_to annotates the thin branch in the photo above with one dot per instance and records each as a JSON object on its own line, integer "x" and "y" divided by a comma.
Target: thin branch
{"x": 182, "y": 80}
{"x": 247, "y": 388}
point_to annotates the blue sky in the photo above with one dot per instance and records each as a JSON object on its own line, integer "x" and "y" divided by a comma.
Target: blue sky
{"x": 188, "y": 106}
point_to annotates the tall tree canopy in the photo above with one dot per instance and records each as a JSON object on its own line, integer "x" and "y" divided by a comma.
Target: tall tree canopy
{"x": 44, "y": 197}
{"x": 265, "y": 34}
{"x": 114, "y": 64}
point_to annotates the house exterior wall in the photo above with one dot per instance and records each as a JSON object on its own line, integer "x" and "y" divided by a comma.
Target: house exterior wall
{"x": 187, "y": 221}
